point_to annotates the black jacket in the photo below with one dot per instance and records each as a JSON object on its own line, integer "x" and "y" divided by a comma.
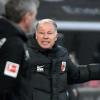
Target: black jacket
{"x": 12, "y": 58}
{"x": 52, "y": 70}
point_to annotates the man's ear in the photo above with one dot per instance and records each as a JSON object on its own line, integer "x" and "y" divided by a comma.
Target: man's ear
{"x": 57, "y": 36}
{"x": 27, "y": 17}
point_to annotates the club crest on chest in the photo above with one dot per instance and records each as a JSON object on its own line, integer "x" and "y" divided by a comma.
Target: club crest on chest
{"x": 63, "y": 66}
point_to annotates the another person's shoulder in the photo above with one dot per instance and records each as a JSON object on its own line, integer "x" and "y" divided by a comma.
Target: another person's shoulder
{"x": 15, "y": 40}
{"x": 14, "y": 43}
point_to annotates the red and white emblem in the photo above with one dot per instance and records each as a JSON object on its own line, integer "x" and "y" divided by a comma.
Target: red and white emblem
{"x": 11, "y": 69}
{"x": 63, "y": 66}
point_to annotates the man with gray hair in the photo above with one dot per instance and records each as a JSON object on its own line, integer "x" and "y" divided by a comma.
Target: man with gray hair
{"x": 18, "y": 20}
{"x": 52, "y": 70}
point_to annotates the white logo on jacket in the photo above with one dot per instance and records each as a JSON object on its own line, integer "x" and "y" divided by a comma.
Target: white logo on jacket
{"x": 40, "y": 68}
{"x": 11, "y": 69}
{"x": 2, "y": 41}
{"x": 27, "y": 56}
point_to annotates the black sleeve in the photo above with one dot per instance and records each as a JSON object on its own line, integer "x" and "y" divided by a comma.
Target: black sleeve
{"x": 82, "y": 73}
{"x": 94, "y": 71}
{"x": 89, "y": 72}
{"x": 11, "y": 57}
{"x": 77, "y": 73}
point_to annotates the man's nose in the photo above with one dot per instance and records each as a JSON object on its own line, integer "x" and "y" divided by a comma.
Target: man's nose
{"x": 45, "y": 35}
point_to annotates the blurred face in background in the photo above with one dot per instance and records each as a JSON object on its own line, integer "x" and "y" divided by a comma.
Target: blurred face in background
{"x": 46, "y": 35}
{"x": 29, "y": 19}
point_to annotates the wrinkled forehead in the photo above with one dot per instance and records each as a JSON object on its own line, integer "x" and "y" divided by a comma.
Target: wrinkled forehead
{"x": 47, "y": 23}
{"x": 47, "y": 27}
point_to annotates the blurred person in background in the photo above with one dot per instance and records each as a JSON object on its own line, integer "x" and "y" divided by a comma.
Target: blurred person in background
{"x": 51, "y": 67}
{"x": 14, "y": 26}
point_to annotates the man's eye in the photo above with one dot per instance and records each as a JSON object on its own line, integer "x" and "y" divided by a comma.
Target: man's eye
{"x": 41, "y": 32}
{"x": 50, "y": 33}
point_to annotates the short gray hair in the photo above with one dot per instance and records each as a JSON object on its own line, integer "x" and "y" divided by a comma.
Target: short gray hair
{"x": 46, "y": 21}
{"x": 16, "y": 9}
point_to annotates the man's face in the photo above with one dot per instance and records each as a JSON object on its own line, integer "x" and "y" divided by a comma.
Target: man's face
{"x": 46, "y": 35}
{"x": 29, "y": 21}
